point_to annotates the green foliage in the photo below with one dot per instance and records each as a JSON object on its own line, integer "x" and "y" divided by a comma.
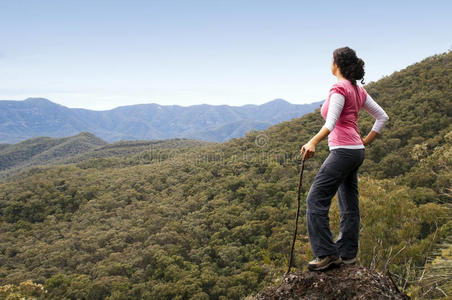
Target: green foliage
{"x": 215, "y": 222}
{"x": 43, "y": 150}
{"x": 24, "y": 290}
{"x": 435, "y": 279}
{"x": 85, "y": 146}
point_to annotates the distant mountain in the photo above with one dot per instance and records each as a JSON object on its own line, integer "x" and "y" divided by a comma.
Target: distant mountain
{"x": 33, "y": 117}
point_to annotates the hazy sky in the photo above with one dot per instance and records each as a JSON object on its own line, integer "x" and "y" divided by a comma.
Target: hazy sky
{"x": 103, "y": 54}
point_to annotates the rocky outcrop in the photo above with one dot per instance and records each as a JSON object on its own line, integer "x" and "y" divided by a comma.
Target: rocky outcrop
{"x": 345, "y": 282}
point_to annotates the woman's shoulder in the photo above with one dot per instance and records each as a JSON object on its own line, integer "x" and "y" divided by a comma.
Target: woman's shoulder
{"x": 362, "y": 91}
{"x": 339, "y": 87}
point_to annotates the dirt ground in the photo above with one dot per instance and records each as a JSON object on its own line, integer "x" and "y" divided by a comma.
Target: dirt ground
{"x": 345, "y": 282}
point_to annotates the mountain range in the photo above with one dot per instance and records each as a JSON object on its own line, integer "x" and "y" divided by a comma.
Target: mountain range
{"x": 34, "y": 117}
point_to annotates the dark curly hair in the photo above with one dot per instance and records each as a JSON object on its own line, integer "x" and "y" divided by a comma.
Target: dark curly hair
{"x": 351, "y": 66}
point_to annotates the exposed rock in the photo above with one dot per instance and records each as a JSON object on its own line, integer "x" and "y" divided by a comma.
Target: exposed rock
{"x": 345, "y": 282}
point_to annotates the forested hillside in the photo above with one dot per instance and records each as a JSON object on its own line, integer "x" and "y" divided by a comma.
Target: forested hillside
{"x": 215, "y": 222}
{"x": 81, "y": 147}
{"x": 42, "y": 150}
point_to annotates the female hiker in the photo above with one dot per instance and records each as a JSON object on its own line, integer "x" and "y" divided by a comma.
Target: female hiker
{"x": 339, "y": 171}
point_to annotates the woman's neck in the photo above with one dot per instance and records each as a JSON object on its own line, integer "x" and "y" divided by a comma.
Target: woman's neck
{"x": 340, "y": 77}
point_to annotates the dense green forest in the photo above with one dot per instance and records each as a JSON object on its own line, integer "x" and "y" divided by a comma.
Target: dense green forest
{"x": 215, "y": 221}
{"x": 80, "y": 147}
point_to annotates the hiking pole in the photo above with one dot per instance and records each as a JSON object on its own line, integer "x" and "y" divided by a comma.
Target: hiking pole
{"x": 296, "y": 218}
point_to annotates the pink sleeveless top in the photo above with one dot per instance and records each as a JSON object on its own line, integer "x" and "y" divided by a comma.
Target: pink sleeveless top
{"x": 346, "y": 131}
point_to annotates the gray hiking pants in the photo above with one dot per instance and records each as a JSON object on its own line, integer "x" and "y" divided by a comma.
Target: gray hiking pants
{"x": 338, "y": 173}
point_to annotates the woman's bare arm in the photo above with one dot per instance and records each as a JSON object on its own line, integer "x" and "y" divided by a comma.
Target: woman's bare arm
{"x": 369, "y": 138}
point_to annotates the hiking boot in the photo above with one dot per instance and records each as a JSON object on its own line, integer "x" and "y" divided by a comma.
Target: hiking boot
{"x": 322, "y": 263}
{"x": 348, "y": 261}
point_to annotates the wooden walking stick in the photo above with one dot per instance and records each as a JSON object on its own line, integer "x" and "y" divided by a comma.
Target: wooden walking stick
{"x": 296, "y": 219}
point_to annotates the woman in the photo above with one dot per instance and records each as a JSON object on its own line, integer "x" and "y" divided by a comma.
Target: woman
{"x": 339, "y": 171}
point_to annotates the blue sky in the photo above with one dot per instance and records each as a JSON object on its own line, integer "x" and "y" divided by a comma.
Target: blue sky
{"x": 104, "y": 54}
